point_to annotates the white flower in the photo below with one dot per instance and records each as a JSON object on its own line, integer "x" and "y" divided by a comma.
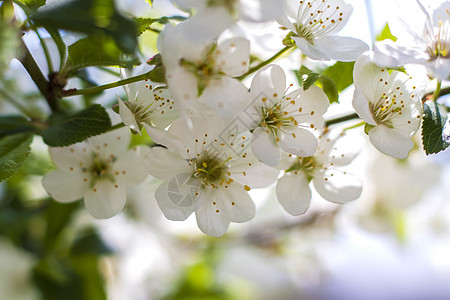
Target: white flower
{"x": 421, "y": 39}
{"x": 207, "y": 171}
{"x": 280, "y": 120}
{"x": 313, "y": 25}
{"x": 249, "y": 10}
{"x": 390, "y": 103}
{"x": 16, "y": 273}
{"x": 98, "y": 170}
{"x": 325, "y": 170}
{"x": 200, "y": 74}
{"x": 147, "y": 103}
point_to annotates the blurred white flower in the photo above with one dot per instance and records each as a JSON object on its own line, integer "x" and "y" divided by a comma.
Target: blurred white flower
{"x": 390, "y": 103}
{"x": 199, "y": 70}
{"x": 98, "y": 170}
{"x": 207, "y": 171}
{"x": 249, "y": 10}
{"x": 279, "y": 120}
{"x": 325, "y": 170}
{"x": 147, "y": 103}
{"x": 422, "y": 38}
{"x": 16, "y": 273}
{"x": 313, "y": 25}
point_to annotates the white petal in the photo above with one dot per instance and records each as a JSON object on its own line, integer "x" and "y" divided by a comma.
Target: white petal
{"x": 367, "y": 76}
{"x": 227, "y": 96}
{"x": 200, "y": 30}
{"x": 165, "y": 164}
{"x": 265, "y": 148}
{"x": 298, "y": 141}
{"x": 312, "y": 103}
{"x": 390, "y": 54}
{"x": 361, "y": 106}
{"x": 260, "y": 11}
{"x": 183, "y": 87}
{"x": 390, "y": 141}
{"x": 106, "y": 199}
{"x": 284, "y": 21}
{"x": 309, "y": 49}
{"x": 293, "y": 193}
{"x": 129, "y": 169}
{"x": 249, "y": 171}
{"x": 233, "y": 56}
{"x": 165, "y": 138}
{"x": 184, "y": 190}
{"x": 337, "y": 186}
{"x": 127, "y": 116}
{"x": 112, "y": 143}
{"x": 341, "y": 48}
{"x": 236, "y": 203}
{"x": 72, "y": 156}
{"x": 210, "y": 219}
{"x": 169, "y": 209}
{"x": 269, "y": 82}
{"x": 64, "y": 186}
{"x": 441, "y": 68}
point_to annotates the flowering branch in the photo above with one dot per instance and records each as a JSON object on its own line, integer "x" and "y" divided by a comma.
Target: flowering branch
{"x": 100, "y": 88}
{"x": 265, "y": 63}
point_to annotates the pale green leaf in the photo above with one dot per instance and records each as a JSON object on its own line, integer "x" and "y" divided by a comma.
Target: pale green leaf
{"x": 14, "y": 151}
{"x": 98, "y": 50}
{"x": 434, "y": 119}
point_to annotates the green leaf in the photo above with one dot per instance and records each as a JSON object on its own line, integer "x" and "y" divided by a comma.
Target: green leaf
{"x": 90, "y": 242}
{"x": 329, "y": 88}
{"x": 91, "y": 16}
{"x": 386, "y": 34}
{"x": 143, "y": 24}
{"x": 91, "y": 121}
{"x": 98, "y": 50}
{"x": 33, "y": 4}
{"x": 307, "y": 77}
{"x": 434, "y": 119}
{"x": 14, "y": 124}
{"x": 150, "y": 2}
{"x": 14, "y": 151}
{"x": 58, "y": 216}
{"x": 87, "y": 268}
{"x": 341, "y": 73}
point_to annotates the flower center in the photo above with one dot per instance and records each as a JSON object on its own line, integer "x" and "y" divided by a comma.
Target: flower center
{"x": 210, "y": 170}
{"x": 390, "y": 104}
{"x": 440, "y": 45}
{"x": 317, "y": 21}
{"x": 204, "y": 70}
{"x": 101, "y": 169}
{"x": 230, "y": 5}
{"x": 305, "y": 164}
{"x": 274, "y": 117}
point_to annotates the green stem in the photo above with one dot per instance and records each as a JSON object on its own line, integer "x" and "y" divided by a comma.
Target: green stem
{"x": 100, "y": 88}
{"x": 109, "y": 71}
{"x": 37, "y": 76}
{"x": 341, "y": 119}
{"x": 437, "y": 90}
{"x": 117, "y": 126}
{"x": 265, "y": 63}
{"x": 359, "y": 124}
{"x": 46, "y": 52}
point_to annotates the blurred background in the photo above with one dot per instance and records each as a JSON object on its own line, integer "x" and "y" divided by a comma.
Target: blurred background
{"x": 391, "y": 243}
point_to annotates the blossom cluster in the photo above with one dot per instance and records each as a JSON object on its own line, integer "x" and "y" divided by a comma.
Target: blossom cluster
{"x": 217, "y": 138}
